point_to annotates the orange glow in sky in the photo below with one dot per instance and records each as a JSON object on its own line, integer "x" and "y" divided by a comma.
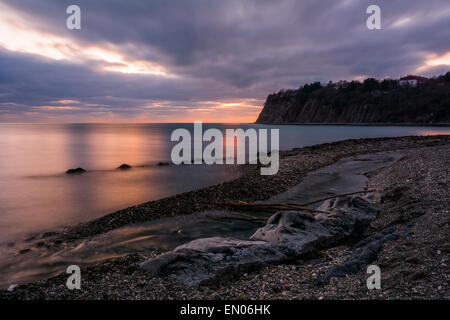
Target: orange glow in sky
{"x": 440, "y": 60}
{"x": 245, "y": 111}
{"x": 435, "y": 60}
{"x": 18, "y": 35}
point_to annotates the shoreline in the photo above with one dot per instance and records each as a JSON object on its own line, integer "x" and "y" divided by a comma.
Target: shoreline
{"x": 294, "y": 165}
{"x": 291, "y": 171}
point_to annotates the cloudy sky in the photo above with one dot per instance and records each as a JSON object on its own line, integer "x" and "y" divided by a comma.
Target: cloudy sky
{"x": 209, "y": 60}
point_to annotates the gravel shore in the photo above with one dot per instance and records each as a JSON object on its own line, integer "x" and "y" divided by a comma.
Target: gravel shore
{"x": 415, "y": 199}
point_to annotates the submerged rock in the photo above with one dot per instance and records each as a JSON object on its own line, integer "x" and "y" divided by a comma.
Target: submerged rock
{"x": 75, "y": 171}
{"x": 125, "y": 167}
{"x": 287, "y": 235}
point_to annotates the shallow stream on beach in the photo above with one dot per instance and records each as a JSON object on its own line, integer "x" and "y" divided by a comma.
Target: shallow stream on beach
{"x": 21, "y": 264}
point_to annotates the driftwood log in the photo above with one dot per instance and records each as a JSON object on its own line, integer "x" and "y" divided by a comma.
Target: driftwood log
{"x": 278, "y": 206}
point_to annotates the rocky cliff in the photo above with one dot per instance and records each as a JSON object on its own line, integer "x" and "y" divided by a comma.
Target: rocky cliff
{"x": 371, "y": 101}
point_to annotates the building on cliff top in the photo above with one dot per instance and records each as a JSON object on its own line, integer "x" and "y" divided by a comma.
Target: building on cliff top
{"x": 411, "y": 80}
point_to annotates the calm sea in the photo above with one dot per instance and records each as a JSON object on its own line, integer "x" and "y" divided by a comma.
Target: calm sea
{"x": 36, "y": 195}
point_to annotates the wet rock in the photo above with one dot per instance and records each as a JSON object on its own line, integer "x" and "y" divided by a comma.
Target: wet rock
{"x": 76, "y": 171}
{"x": 287, "y": 235}
{"x": 360, "y": 211}
{"x": 124, "y": 167}
{"x": 213, "y": 260}
{"x": 297, "y": 232}
{"x": 302, "y": 233}
{"x": 364, "y": 252}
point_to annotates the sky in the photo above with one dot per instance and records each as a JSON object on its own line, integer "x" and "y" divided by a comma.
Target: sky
{"x": 205, "y": 60}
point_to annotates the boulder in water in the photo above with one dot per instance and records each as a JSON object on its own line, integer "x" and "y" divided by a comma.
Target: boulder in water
{"x": 75, "y": 171}
{"x": 124, "y": 167}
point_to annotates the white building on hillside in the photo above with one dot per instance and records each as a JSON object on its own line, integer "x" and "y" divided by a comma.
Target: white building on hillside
{"x": 411, "y": 80}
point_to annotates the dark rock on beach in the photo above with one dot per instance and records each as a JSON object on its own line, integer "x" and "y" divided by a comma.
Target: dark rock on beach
{"x": 212, "y": 260}
{"x": 364, "y": 253}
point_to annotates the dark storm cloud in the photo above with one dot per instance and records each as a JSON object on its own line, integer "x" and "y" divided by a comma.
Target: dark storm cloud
{"x": 222, "y": 50}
